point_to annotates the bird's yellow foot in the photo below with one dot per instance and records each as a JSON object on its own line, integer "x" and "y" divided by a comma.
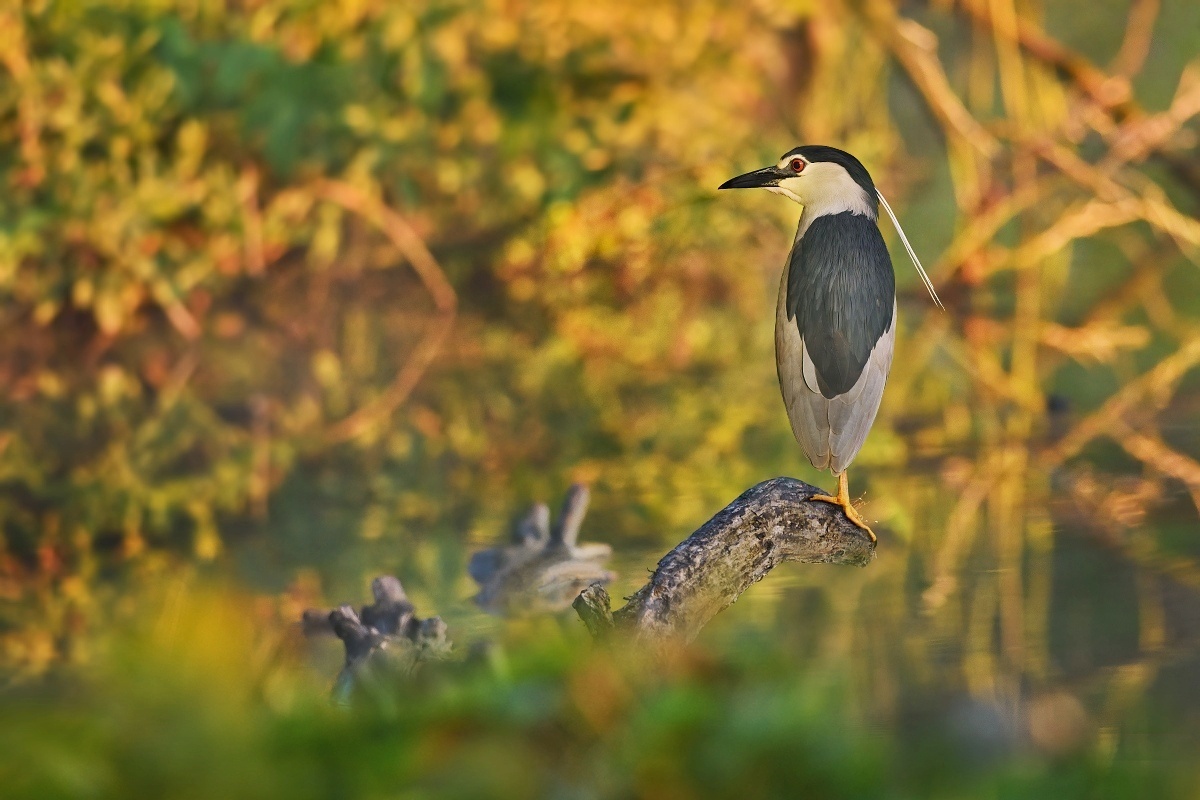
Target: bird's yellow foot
{"x": 843, "y": 500}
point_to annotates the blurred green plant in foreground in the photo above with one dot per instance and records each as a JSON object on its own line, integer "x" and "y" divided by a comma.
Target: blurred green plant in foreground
{"x": 298, "y": 293}
{"x": 205, "y": 699}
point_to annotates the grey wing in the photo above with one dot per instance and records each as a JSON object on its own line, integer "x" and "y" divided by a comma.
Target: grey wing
{"x": 830, "y": 430}
{"x": 851, "y": 415}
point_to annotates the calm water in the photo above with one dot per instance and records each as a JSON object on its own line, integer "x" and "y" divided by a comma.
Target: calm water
{"x": 1064, "y": 632}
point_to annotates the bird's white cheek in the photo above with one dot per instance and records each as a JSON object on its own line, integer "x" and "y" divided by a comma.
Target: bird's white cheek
{"x": 789, "y": 188}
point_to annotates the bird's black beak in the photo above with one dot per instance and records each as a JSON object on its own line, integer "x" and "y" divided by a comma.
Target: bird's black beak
{"x": 767, "y": 176}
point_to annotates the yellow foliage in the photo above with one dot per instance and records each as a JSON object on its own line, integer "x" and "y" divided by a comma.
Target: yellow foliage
{"x": 424, "y": 259}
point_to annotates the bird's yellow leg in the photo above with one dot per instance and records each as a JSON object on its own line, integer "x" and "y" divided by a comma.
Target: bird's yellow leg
{"x": 843, "y": 500}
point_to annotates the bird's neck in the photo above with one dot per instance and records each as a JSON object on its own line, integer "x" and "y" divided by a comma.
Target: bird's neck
{"x": 837, "y": 205}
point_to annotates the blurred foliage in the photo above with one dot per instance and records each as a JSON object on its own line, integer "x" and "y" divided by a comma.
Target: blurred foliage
{"x": 301, "y": 292}
{"x": 539, "y": 716}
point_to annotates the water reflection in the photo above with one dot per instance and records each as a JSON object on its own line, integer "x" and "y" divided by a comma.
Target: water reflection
{"x": 1043, "y": 636}
{"x": 1011, "y": 613}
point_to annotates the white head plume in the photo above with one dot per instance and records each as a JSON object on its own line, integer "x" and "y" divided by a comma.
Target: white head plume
{"x": 911, "y": 254}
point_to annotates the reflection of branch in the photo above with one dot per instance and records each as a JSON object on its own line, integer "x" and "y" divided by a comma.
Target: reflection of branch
{"x": 1155, "y": 384}
{"x": 401, "y": 386}
{"x": 960, "y": 533}
{"x": 1156, "y": 454}
{"x": 1113, "y": 511}
{"x": 769, "y": 524}
{"x": 401, "y": 234}
{"x": 410, "y": 245}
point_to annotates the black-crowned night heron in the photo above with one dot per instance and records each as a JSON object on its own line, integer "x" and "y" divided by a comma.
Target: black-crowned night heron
{"x": 835, "y": 322}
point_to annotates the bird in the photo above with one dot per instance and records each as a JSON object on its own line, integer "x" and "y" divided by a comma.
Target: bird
{"x": 835, "y": 319}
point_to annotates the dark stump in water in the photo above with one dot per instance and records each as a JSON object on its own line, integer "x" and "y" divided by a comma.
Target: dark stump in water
{"x": 384, "y": 640}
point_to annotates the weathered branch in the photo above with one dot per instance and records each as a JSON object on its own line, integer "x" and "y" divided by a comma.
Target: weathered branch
{"x": 592, "y": 606}
{"x": 769, "y": 524}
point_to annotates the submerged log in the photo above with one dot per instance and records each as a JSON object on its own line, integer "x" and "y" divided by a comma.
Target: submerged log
{"x": 769, "y": 524}
{"x": 543, "y": 568}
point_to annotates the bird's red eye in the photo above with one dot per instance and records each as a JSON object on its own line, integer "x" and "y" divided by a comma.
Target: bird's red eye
{"x": 797, "y": 165}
